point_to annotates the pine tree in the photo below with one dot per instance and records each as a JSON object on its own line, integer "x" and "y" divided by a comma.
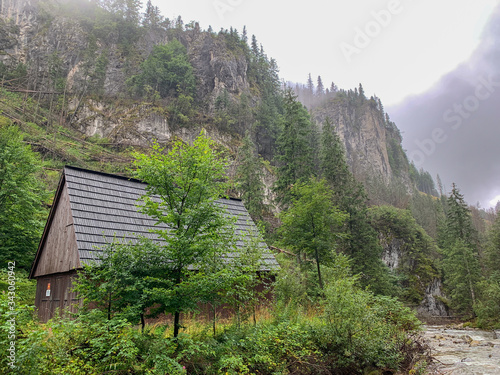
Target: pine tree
{"x": 254, "y": 46}
{"x": 320, "y": 89}
{"x": 361, "y": 92}
{"x": 493, "y": 247}
{"x": 461, "y": 261}
{"x": 362, "y": 243}
{"x": 244, "y": 36}
{"x": 249, "y": 179}
{"x": 458, "y": 219}
{"x": 294, "y": 148}
{"x": 440, "y": 185}
{"x": 310, "y": 84}
{"x": 332, "y": 158}
{"x": 152, "y": 16}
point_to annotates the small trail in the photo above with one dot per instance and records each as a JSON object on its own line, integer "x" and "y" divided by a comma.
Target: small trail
{"x": 463, "y": 351}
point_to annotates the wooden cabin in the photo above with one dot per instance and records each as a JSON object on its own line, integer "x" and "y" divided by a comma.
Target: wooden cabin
{"x": 92, "y": 209}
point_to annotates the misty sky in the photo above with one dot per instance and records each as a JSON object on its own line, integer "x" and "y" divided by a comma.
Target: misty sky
{"x": 454, "y": 127}
{"x": 396, "y": 49}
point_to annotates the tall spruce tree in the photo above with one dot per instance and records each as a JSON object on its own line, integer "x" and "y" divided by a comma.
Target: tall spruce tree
{"x": 332, "y": 158}
{"x": 249, "y": 179}
{"x": 461, "y": 261}
{"x": 362, "y": 243}
{"x": 458, "y": 224}
{"x": 320, "y": 88}
{"x": 294, "y": 151}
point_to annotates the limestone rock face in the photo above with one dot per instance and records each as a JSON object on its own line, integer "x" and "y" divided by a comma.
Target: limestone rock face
{"x": 28, "y": 34}
{"x": 216, "y": 68}
{"x": 17, "y": 18}
{"x": 365, "y": 136}
{"x": 396, "y": 255}
{"x": 432, "y": 305}
{"x": 393, "y": 251}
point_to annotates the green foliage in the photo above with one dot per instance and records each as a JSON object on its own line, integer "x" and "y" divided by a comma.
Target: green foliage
{"x": 492, "y": 251}
{"x": 418, "y": 251}
{"x": 458, "y": 220}
{"x": 124, "y": 281}
{"x": 180, "y": 110}
{"x": 428, "y": 212}
{"x": 167, "y": 70}
{"x": 183, "y": 187}
{"x": 460, "y": 256}
{"x": 487, "y": 307}
{"x": 93, "y": 345}
{"x": 22, "y": 195}
{"x": 297, "y": 285}
{"x": 312, "y": 225}
{"x": 13, "y": 74}
{"x": 462, "y": 272}
{"x": 16, "y": 311}
{"x": 360, "y": 241}
{"x": 351, "y": 332}
{"x": 25, "y": 288}
{"x": 88, "y": 345}
{"x": 295, "y": 154}
{"x": 333, "y": 165}
{"x": 423, "y": 180}
{"x": 397, "y": 157}
{"x": 249, "y": 177}
{"x": 361, "y": 330}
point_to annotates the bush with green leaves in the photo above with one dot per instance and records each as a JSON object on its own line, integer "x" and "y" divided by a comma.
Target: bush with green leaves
{"x": 22, "y": 194}
{"x": 16, "y": 312}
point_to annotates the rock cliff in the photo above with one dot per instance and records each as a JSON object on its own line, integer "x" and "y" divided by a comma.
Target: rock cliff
{"x": 372, "y": 142}
{"x": 47, "y": 38}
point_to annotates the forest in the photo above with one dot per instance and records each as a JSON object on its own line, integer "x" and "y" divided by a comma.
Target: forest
{"x": 339, "y": 304}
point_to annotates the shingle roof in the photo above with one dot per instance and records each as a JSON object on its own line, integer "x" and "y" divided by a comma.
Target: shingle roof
{"x": 104, "y": 208}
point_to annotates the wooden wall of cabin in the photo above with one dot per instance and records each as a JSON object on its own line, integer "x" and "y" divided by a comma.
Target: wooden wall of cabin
{"x": 54, "y": 294}
{"x": 60, "y": 251}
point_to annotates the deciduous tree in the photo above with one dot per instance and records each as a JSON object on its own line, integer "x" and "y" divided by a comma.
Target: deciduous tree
{"x": 22, "y": 195}
{"x": 312, "y": 225}
{"x": 184, "y": 185}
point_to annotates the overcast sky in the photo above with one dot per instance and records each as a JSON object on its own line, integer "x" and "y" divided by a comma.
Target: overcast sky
{"x": 395, "y": 48}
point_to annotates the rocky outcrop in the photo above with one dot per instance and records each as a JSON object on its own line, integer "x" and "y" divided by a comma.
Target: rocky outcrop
{"x": 17, "y": 18}
{"x": 44, "y": 35}
{"x": 432, "y": 305}
{"x": 217, "y": 68}
{"x": 393, "y": 251}
{"x": 394, "y": 256}
{"x": 366, "y": 137}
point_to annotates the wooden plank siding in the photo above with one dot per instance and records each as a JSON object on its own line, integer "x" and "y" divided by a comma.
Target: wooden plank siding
{"x": 59, "y": 252}
{"x": 61, "y": 297}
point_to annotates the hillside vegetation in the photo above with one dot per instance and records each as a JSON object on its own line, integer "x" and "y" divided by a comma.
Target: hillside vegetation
{"x": 362, "y": 232}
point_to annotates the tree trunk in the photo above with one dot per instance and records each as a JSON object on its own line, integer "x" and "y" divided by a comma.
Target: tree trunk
{"x": 319, "y": 269}
{"x": 177, "y": 316}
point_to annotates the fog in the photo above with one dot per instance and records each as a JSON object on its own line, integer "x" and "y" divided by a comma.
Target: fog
{"x": 453, "y": 129}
